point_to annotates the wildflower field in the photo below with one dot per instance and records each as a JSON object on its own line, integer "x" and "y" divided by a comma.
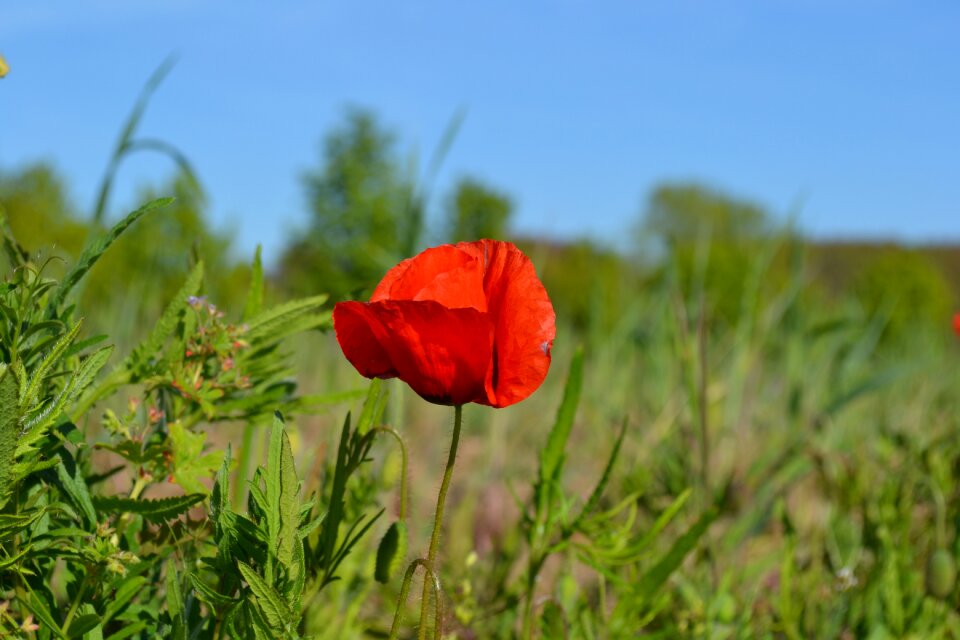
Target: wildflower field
{"x": 732, "y": 432}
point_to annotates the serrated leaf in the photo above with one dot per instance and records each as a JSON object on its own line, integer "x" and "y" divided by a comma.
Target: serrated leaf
{"x": 81, "y": 345}
{"x": 40, "y": 372}
{"x": 208, "y": 595}
{"x": 167, "y": 323}
{"x": 269, "y": 601}
{"x": 9, "y": 429}
{"x": 37, "y": 426}
{"x": 288, "y": 501}
{"x": 273, "y": 322}
{"x": 190, "y": 463}
{"x": 93, "y": 252}
{"x": 175, "y": 607}
{"x": 296, "y": 575}
{"x": 88, "y": 370}
{"x": 157, "y": 511}
{"x": 220, "y": 497}
{"x": 11, "y": 524}
{"x": 76, "y": 487}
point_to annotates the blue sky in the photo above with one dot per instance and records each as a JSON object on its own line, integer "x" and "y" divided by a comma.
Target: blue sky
{"x": 845, "y": 112}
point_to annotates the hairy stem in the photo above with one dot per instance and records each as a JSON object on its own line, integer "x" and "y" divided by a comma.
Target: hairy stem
{"x": 403, "y": 467}
{"x": 437, "y": 523}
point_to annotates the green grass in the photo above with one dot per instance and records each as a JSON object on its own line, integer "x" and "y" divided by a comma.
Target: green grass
{"x": 787, "y": 469}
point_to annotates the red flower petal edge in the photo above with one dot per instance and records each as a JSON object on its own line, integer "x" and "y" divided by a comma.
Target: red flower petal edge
{"x": 459, "y": 323}
{"x": 956, "y": 324}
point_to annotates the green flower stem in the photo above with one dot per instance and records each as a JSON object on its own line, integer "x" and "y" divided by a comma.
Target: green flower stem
{"x": 81, "y": 592}
{"x": 437, "y": 523}
{"x": 429, "y": 578}
{"x": 403, "y": 467}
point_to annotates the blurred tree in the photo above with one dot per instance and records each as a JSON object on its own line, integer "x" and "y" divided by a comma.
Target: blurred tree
{"x": 131, "y": 283}
{"x": 135, "y": 280}
{"x": 908, "y": 289}
{"x": 589, "y": 285}
{"x": 42, "y": 218}
{"x": 365, "y": 213}
{"x": 685, "y": 212}
{"x": 712, "y": 241}
{"x": 476, "y": 211}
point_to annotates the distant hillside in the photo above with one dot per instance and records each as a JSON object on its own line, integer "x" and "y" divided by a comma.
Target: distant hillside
{"x": 838, "y": 263}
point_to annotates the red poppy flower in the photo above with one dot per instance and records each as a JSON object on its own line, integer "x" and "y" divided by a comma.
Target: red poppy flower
{"x": 956, "y": 324}
{"x": 459, "y": 323}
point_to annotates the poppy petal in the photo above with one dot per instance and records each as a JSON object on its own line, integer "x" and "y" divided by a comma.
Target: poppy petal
{"x": 444, "y": 274}
{"x": 523, "y": 317}
{"x": 443, "y": 354}
{"x": 358, "y": 336}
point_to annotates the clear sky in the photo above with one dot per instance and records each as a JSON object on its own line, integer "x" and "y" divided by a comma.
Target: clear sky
{"x": 847, "y": 112}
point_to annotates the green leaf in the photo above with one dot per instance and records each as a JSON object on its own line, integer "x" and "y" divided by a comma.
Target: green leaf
{"x": 871, "y": 384}
{"x": 89, "y": 369}
{"x": 190, "y": 464}
{"x": 156, "y": 511}
{"x": 271, "y": 603}
{"x": 83, "y": 624}
{"x": 127, "y": 590}
{"x": 36, "y": 427}
{"x": 167, "y": 324}
{"x": 40, "y": 372}
{"x": 552, "y": 456}
{"x": 282, "y": 510}
{"x": 75, "y": 486}
{"x": 41, "y": 612}
{"x": 391, "y": 551}
{"x": 373, "y": 406}
{"x": 664, "y": 519}
{"x": 128, "y": 630}
{"x": 220, "y": 498}
{"x": 11, "y": 524}
{"x": 9, "y": 429}
{"x": 208, "y": 595}
{"x": 93, "y": 252}
{"x": 553, "y": 623}
{"x": 289, "y": 501}
{"x": 175, "y": 608}
{"x": 274, "y": 323}
{"x": 594, "y": 500}
{"x": 255, "y": 296}
{"x": 658, "y": 574}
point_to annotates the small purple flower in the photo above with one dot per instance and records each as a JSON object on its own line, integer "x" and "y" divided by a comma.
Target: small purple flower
{"x": 196, "y": 301}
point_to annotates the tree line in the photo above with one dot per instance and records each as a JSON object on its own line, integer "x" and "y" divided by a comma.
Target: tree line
{"x": 368, "y": 210}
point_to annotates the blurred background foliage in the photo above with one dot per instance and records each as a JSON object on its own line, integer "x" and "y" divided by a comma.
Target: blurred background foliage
{"x": 717, "y": 318}
{"x": 367, "y": 211}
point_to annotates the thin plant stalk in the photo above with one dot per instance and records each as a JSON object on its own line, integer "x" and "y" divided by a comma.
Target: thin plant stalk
{"x": 438, "y": 523}
{"x": 429, "y": 577}
{"x": 403, "y": 467}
